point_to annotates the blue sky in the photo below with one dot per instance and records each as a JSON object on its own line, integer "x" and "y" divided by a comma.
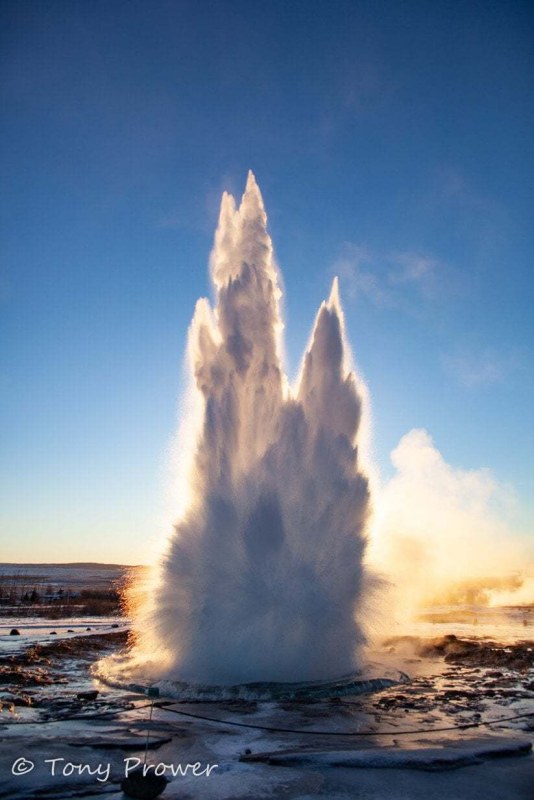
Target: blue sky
{"x": 393, "y": 145}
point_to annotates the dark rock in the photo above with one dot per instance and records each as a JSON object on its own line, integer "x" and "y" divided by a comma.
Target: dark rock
{"x": 53, "y": 633}
{"x": 92, "y": 695}
{"x": 143, "y": 787}
{"x": 22, "y": 700}
{"x": 22, "y": 676}
{"x": 14, "y": 632}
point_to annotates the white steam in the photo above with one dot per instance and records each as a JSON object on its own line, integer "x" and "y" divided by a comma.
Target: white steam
{"x": 441, "y": 534}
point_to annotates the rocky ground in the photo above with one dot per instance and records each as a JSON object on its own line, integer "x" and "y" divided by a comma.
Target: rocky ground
{"x": 389, "y": 744}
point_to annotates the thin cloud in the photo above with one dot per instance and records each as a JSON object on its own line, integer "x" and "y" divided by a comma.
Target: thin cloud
{"x": 478, "y": 369}
{"x": 356, "y": 267}
{"x": 478, "y": 216}
{"x": 366, "y": 87}
{"x": 412, "y": 268}
{"x": 171, "y": 221}
{"x": 383, "y": 278}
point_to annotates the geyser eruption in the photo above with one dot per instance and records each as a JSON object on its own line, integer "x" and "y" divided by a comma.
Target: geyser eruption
{"x": 262, "y": 577}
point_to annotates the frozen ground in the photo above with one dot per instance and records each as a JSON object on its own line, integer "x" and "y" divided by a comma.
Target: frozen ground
{"x": 455, "y": 682}
{"x": 39, "y": 630}
{"x": 66, "y": 576}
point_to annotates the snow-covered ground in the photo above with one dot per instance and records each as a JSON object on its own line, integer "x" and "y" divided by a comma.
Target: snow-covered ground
{"x": 39, "y": 630}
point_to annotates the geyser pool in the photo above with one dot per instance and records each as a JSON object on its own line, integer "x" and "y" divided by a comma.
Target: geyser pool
{"x": 262, "y": 577}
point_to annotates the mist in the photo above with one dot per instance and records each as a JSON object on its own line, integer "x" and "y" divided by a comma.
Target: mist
{"x": 443, "y": 535}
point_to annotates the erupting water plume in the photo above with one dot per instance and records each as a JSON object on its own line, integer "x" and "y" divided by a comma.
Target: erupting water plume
{"x": 262, "y": 578}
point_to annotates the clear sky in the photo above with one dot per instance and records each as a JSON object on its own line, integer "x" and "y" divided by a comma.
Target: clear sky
{"x": 393, "y": 145}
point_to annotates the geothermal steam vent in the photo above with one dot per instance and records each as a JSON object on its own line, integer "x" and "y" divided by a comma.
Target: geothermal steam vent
{"x": 262, "y": 577}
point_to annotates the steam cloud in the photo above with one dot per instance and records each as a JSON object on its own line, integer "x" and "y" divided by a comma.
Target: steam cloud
{"x": 263, "y": 575}
{"x": 441, "y": 535}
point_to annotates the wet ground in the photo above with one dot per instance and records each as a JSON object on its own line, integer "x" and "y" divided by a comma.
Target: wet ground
{"x": 387, "y": 744}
